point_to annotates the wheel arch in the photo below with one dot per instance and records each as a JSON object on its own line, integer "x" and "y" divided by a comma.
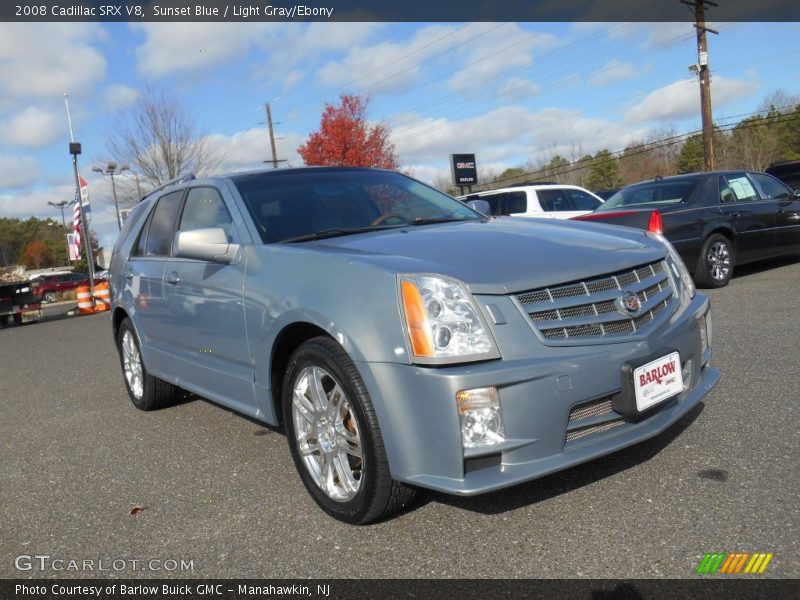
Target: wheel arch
{"x": 290, "y": 338}
{"x": 116, "y": 320}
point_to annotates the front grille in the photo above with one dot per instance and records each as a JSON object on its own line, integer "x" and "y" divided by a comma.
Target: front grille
{"x": 576, "y": 434}
{"x": 595, "y": 408}
{"x": 587, "y": 310}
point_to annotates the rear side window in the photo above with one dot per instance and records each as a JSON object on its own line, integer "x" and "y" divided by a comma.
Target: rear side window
{"x": 156, "y": 237}
{"x": 517, "y": 202}
{"x": 205, "y": 208}
{"x": 741, "y": 187}
{"x": 554, "y": 200}
{"x": 771, "y": 188}
{"x": 494, "y": 203}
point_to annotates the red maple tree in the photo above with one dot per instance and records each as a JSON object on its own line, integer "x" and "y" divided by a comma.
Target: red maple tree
{"x": 345, "y": 139}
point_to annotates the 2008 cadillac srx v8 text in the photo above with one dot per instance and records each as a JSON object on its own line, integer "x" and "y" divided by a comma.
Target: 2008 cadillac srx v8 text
{"x": 402, "y": 339}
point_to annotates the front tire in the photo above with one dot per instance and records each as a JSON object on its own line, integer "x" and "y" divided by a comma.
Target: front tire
{"x": 334, "y": 437}
{"x": 145, "y": 391}
{"x": 715, "y": 263}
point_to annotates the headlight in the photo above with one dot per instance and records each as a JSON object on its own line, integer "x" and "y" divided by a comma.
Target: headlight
{"x": 442, "y": 321}
{"x": 676, "y": 264}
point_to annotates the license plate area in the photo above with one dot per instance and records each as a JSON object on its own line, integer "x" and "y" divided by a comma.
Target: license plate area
{"x": 657, "y": 381}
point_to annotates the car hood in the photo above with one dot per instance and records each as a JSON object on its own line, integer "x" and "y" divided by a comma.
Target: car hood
{"x": 500, "y": 256}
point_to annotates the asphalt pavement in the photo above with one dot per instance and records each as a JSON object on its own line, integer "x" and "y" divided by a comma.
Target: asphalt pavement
{"x": 220, "y": 492}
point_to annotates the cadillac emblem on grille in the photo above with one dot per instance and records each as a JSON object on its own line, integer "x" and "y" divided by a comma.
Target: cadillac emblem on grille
{"x": 629, "y": 303}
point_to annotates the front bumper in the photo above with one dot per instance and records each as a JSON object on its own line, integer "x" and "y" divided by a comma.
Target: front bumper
{"x": 416, "y": 408}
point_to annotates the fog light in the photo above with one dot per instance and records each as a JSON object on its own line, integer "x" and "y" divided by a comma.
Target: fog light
{"x": 481, "y": 420}
{"x": 686, "y": 372}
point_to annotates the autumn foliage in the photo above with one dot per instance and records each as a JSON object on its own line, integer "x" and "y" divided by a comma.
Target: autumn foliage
{"x": 345, "y": 138}
{"x": 36, "y": 254}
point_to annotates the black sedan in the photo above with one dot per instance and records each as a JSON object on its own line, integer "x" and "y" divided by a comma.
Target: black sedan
{"x": 714, "y": 220}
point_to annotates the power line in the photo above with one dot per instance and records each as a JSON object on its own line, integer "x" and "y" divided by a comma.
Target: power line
{"x": 652, "y": 146}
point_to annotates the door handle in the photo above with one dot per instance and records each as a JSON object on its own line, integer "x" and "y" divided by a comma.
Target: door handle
{"x": 129, "y": 275}
{"x": 173, "y": 278}
{"x": 736, "y": 215}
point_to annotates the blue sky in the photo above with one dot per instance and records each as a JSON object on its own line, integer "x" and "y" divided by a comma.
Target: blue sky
{"x": 512, "y": 93}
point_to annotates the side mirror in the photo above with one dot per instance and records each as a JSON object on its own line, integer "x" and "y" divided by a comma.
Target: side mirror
{"x": 482, "y": 206}
{"x": 796, "y": 193}
{"x": 210, "y": 244}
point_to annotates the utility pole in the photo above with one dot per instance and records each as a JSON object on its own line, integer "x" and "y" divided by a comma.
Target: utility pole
{"x": 704, "y": 75}
{"x": 275, "y": 160}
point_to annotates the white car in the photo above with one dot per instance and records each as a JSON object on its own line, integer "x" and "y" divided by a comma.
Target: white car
{"x": 544, "y": 200}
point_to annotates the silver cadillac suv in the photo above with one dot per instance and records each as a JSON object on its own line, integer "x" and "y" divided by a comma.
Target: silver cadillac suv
{"x": 400, "y": 338}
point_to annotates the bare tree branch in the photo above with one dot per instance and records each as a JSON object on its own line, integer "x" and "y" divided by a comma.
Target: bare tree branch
{"x": 159, "y": 139}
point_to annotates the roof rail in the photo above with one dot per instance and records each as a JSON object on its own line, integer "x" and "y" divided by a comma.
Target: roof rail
{"x": 170, "y": 183}
{"x": 524, "y": 183}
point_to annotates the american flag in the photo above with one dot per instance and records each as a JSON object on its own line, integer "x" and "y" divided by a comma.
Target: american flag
{"x": 77, "y": 225}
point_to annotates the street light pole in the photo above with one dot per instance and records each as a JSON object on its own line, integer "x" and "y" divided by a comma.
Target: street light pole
{"x": 111, "y": 170}
{"x": 61, "y": 205}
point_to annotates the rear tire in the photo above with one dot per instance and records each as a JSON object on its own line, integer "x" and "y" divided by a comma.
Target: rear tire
{"x": 334, "y": 437}
{"x": 145, "y": 391}
{"x": 17, "y": 320}
{"x": 715, "y": 263}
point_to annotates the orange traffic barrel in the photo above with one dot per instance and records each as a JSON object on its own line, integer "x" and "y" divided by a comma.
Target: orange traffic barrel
{"x": 102, "y": 296}
{"x": 85, "y": 300}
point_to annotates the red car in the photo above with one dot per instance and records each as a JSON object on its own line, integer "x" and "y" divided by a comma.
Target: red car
{"x": 48, "y": 286}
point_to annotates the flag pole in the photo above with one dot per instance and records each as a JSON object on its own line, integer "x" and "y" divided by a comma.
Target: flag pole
{"x": 74, "y": 150}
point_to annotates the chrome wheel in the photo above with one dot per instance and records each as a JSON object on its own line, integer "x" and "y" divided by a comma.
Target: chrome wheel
{"x": 327, "y": 434}
{"x": 132, "y": 365}
{"x": 719, "y": 260}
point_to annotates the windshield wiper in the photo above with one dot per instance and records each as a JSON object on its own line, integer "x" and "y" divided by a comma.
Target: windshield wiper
{"x": 336, "y": 232}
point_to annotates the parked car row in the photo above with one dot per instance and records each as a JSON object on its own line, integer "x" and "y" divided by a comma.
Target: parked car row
{"x": 714, "y": 220}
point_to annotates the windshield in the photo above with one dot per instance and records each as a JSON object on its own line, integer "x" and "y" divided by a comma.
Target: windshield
{"x": 657, "y": 192}
{"x": 306, "y": 204}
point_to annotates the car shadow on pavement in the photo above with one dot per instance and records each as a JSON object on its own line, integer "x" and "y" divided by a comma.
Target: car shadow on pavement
{"x": 568, "y": 480}
{"x": 765, "y": 265}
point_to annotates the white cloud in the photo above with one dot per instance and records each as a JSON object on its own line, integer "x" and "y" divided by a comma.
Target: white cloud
{"x": 519, "y": 89}
{"x": 42, "y": 60}
{"x": 195, "y": 47}
{"x": 390, "y": 65}
{"x": 509, "y": 135}
{"x": 681, "y": 99}
{"x": 500, "y": 51}
{"x": 33, "y": 128}
{"x": 119, "y": 96}
{"x": 652, "y": 35}
{"x": 17, "y": 171}
{"x": 613, "y": 71}
{"x": 172, "y": 47}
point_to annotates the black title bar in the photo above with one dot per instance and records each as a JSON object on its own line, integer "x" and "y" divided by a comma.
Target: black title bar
{"x": 402, "y": 11}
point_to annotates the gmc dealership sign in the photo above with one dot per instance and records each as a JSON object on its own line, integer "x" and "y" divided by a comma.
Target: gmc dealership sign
{"x": 464, "y": 170}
